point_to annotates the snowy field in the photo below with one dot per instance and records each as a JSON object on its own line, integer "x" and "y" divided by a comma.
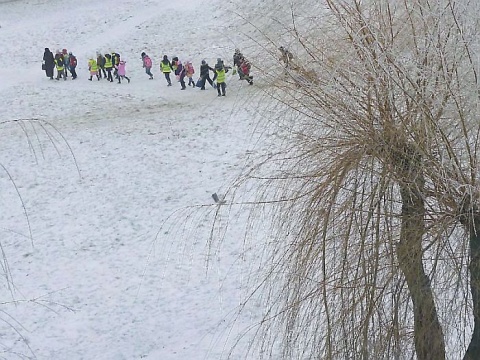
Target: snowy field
{"x": 106, "y": 188}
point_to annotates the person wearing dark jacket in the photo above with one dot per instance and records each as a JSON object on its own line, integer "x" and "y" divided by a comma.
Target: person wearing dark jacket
{"x": 49, "y": 62}
{"x": 181, "y": 74}
{"x": 73, "y": 65}
{"x": 237, "y": 60}
{"x": 205, "y": 74}
{"x": 220, "y": 71}
{"x": 109, "y": 66}
{"x": 101, "y": 65}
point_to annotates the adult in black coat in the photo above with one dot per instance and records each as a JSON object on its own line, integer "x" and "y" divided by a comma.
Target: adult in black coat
{"x": 49, "y": 62}
{"x": 205, "y": 74}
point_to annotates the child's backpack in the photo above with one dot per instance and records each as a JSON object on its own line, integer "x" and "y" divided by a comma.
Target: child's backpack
{"x": 73, "y": 60}
{"x": 148, "y": 61}
{"x": 115, "y": 58}
{"x": 245, "y": 67}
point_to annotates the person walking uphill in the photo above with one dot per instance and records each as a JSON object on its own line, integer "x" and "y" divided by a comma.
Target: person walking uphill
{"x": 48, "y": 63}
{"x": 166, "y": 68}
{"x": 147, "y": 64}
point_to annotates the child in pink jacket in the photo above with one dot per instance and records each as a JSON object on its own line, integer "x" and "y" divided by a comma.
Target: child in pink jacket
{"x": 189, "y": 71}
{"x": 121, "y": 71}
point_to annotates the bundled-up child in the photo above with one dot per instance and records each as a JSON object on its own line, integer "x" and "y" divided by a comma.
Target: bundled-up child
{"x": 189, "y": 71}
{"x": 66, "y": 61}
{"x": 109, "y": 66}
{"x": 174, "y": 65}
{"x": 121, "y": 71}
{"x": 245, "y": 71}
{"x": 60, "y": 65}
{"x": 166, "y": 68}
{"x": 181, "y": 75}
{"x": 115, "y": 60}
{"x": 73, "y": 64}
{"x": 220, "y": 76}
{"x": 101, "y": 65}
{"x": 147, "y": 64}
{"x": 93, "y": 68}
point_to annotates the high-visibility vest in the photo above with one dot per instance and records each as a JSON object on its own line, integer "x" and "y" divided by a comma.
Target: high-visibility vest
{"x": 108, "y": 63}
{"x": 165, "y": 67}
{"x": 59, "y": 65}
{"x": 115, "y": 58}
{"x": 220, "y": 75}
{"x": 92, "y": 65}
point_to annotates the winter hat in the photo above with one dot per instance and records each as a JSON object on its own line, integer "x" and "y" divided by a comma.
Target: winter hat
{"x": 143, "y": 54}
{"x": 47, "y": 49}
{"x": 219, "y": 61}
{"x": 64, "y": 51}
{"x": 204, "y": 62}
{"x": 165, "y": 57}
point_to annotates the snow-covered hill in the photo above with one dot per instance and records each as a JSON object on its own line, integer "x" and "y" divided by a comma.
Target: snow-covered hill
{"x": 106, "y": 188}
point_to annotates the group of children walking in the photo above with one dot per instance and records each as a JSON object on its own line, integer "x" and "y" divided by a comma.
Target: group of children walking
{"x": 180, "y": 70}
{"x": 112, "y": 66}
{"x": 62, "y": 61}
{"x": 106, "y": 64}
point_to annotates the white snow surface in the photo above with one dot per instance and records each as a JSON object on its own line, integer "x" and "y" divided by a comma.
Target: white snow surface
{"x": 106, "y": 188}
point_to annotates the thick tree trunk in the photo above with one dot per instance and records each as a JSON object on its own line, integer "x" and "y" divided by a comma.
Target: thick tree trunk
{"x": 473, "y": 223}
{"x": 428, "y": 334}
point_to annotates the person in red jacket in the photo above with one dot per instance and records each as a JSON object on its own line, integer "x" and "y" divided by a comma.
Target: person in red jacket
{"x": 245, "y": 67}
{"x": 73, "y": 64}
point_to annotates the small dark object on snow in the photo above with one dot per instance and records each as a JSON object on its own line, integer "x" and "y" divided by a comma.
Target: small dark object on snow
{"x": 217, "y": 199}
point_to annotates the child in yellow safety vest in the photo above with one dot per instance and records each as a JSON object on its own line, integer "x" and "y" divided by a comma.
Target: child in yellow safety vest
{"x": 109, "y": 67}
{"x": 220, "y": 75}
{"x": 166, "y": 68}
{"x": 60, "y": 66}
{"x": 93, "y": 68}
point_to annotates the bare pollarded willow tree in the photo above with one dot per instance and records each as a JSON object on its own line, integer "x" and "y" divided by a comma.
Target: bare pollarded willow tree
{"x": 378, "y": 252}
